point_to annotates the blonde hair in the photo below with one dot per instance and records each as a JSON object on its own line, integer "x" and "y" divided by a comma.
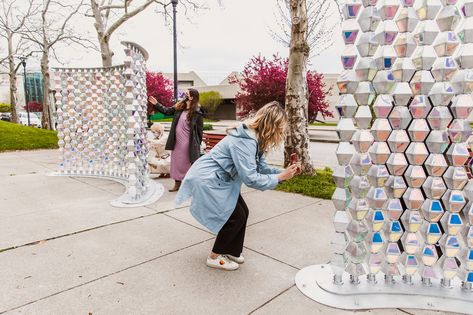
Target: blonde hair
{"x": 269, "y": 123}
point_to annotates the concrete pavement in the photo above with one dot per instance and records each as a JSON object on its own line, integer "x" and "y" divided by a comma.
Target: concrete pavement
{"x": 65, "y": 250}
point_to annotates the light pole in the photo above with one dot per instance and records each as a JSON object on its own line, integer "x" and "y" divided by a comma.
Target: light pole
{"x": 23, "y": 62}
{"x": 174, "y": 11}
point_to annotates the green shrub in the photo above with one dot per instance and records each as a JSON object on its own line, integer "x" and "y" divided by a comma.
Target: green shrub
{"x": 210, "y": 101}
{"x": 208, "y": 127}
{"x": 318, "y": 186}
{"x": 5, "y": 108}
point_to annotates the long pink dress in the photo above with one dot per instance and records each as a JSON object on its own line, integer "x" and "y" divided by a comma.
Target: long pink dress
{"x": 180, "y": 163}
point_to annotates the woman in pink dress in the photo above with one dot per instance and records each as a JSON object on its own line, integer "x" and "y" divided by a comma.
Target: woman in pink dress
{"x": 185, "y": 135}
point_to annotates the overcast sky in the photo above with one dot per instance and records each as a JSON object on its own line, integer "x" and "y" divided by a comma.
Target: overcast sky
{"x": 220, "y": 40}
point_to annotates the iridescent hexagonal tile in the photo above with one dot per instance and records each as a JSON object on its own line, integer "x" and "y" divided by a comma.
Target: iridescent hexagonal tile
{"x": 342, "y": 175}
{"x": 425, "y": 32}
{"x": 413, "y": 198}
{"x": 418, "y": 130}
{"x": 369, "y": 19}
{"x": 395, "y": 188}
{"x": 393, "y": 231}
{"x": 375, "y": 220}
{"x": 363, "y": 117}
{"x": 345, "y": 129}
{"x": 365, "y": 93}
{"x": 467, "y": 8}
{"x": 444, "y": 68}
{"x": 455, "y": 177}
{"x": 452, "y": 223}
{"x": 427, "y": 9}
{"x": 383, "y": 106}
{"x": 432, "y": 210}
{"x": 462, "y": 82}
{"x": 392, "y": 253}
{"x": 350, "y": 31}
{"x": 402, "y": 93}
{"x": 435, "y": 164}
{"x": 384, "y": 82}
{"x": 462, "y": 106}
{"x": 454, "y": 200}
{"x": 374, "y": 263}
{"x": 385, "y": 57}
{"x": 387, "y": 8}
{"x": 366, "y": 69}
{"x": 459, "y": 130}
{"x": 349, "y": 57}
{"x": 340, "y": 221}
{"x": 397, "y": 164}
{"x": 465, "y": 56}
{"x": 346, "y": 106}
{"x": 410, "y": 264}
{"x": 359, "y": 186}
{"x": 360, "y": 163}
{"x": 466, "y": 31}
{"x": 400, "y": 117}
{"x": 412, "y": 220}
{"x": 434, "y": 187}
{"x": 450, "y": 245}
{"x": 449, "y": 2}
{"x": 449, "y": 269}
{"x": 448, "y": 18}
{"x": 381, "y": 129}
{"x": 422, "y": 82}
{"x": 419, "y": 107}
{"x": 351, "y": 9}
{"x": 375, "y": 241}
{"x": 344, "y": 153}
{"x": 415, "y": 176}
{"x": 338, "y": 263}
{"x": 341, "y": 198}
{"x": 407, "y": 19}
{"x": 446, "y": 43}
{"x": 386, "y": 32}
{"x": 356, "y": 252}
{"x": 432, "y": 233}
{"x": 404, "y": 45}
{"x": 362, "y": 140}
{"x": 412, "y": 242}
{"x": 357, "y": 230}
{"x": 367, "y": 44}
{"x": 378, "y": 175}
{"x": 441, "y": 94}
{"x": 439, "y": 118}
{"x": 376, "y": 198}
{"x": 355, "y": 270}
{"x": 457, "y": 154}
{"x": 403, "y": 69}
{"x": 398, "y": 141}
{"x": 347, "y": 82}
{"x": 424, "y": 57}
{"x": 367, "y": 3}
{"x": 379, "y": 152}
{"x": 429, "y": 255}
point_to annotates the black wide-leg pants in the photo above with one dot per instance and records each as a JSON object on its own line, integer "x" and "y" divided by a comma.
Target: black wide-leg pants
{"x": 232, "y": 235}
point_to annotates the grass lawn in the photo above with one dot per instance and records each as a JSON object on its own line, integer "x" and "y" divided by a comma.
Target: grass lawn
{"x": 18, "y": 137}
{"x": 332, "y": 124}
{"x": 170, "y": 120}
{"x": 319, "y": 186}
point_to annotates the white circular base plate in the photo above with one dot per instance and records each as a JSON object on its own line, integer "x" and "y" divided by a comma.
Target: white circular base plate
{"x": 316, "y": 282}
{"x": 155, "y": 191}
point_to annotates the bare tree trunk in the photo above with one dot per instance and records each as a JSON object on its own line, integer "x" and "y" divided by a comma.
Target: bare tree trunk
{"x": 45, "y": 119}
{"x": 106, "y": 52}
{"x": 297, "y": 140}
{"x": 12, "y": 77}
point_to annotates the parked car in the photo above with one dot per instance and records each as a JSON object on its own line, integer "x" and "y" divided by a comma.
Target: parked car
{"x": 34, "y": 120}
{"x": 5, "y": 116}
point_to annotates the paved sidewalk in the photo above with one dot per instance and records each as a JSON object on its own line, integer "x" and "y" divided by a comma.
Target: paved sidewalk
{"x": 67, "y": 251}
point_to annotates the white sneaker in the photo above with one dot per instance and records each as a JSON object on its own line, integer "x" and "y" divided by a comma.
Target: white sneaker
{"x": 222, "y": 262}
{"x": 238, "y": 260}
